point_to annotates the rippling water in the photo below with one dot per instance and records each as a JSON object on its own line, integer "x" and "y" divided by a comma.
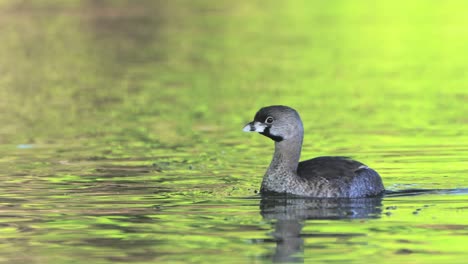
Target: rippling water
{"x": 121, "y": 136}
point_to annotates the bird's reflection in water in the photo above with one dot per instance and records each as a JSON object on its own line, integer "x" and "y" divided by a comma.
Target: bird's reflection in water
{"x": 289, "y": 214}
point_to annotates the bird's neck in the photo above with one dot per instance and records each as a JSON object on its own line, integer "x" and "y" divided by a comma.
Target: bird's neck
{"x": 286, "y": 157}
{"x": 282, "y": 176}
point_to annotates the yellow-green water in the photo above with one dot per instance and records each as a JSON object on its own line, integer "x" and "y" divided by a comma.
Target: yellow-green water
{"x": 121, "y": 129}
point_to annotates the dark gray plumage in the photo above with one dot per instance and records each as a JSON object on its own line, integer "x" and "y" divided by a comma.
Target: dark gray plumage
{"x": 318, "y": 177}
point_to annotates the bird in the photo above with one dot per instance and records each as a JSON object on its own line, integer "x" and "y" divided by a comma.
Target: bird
{"x": 321, "y": 177}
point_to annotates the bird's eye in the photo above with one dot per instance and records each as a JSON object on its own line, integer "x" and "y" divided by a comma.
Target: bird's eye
{"x": 269, "y": 120}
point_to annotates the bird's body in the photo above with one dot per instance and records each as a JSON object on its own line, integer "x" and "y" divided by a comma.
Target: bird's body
{"x": 318, "y": 177}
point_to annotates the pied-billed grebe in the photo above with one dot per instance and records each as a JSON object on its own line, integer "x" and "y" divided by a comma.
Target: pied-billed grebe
{"x": 318, "y": 177}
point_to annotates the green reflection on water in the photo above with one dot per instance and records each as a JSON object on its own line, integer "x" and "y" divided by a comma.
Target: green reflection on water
{"x": 134, "y": 113}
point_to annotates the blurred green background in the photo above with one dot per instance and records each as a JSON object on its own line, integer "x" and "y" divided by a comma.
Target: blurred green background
{"x": 167, "y": 69}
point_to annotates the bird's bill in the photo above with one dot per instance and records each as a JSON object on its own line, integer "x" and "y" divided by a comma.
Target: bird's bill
{"x": 254, "y": 126}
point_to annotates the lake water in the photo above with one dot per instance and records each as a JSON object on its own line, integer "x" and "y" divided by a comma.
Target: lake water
{"x": 121, "y": 130}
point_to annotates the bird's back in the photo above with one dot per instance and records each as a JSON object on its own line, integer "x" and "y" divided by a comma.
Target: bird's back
{"x": 339, "y": 177}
